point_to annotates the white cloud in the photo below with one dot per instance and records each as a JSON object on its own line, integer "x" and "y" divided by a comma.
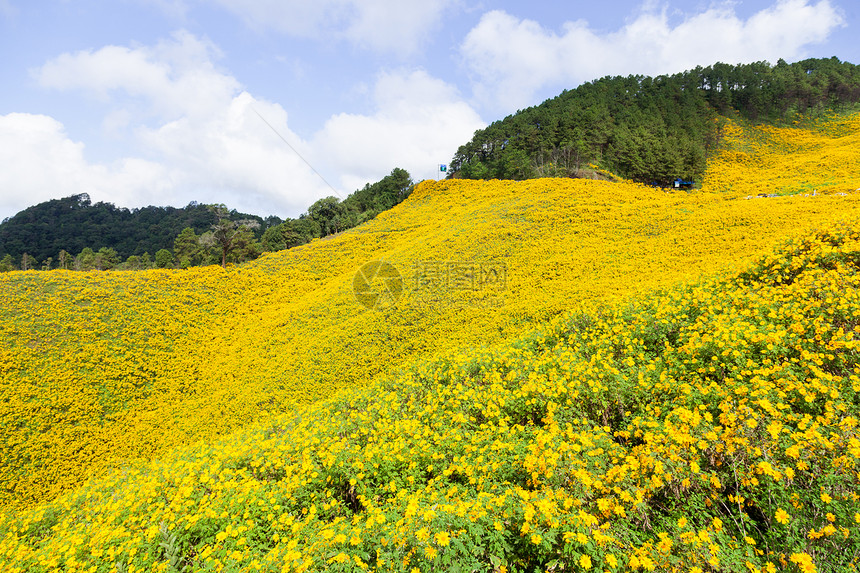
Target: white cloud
{"x": 174, "y": 78}
{"x": 398, "y": 26}
{"x": 418, "y": 123}
{"x": 40, "y": 162}
{"x": 511, "y": 59}
{"x": 194, "y": 121}
{"x": 196, "y": 135}
{"x": 238, "y": 157}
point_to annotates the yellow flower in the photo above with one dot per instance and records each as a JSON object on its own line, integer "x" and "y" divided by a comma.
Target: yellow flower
{"x": 585, "y": 562}
{"x": 782, "y": 516}
{"x": 804, "y": 562}
{"x": 442, "y": 538}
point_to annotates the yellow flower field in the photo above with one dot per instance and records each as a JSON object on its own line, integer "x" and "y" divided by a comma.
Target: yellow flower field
{"x": 527, "y": 400}
{"x": 818, "y": 157}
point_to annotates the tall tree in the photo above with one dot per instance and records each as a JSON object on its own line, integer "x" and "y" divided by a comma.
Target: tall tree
{"x": 106, "y": 258}
{"x": 226, "y": 234}
{"x": 163, "y": 259}
{"x": 7, "y": 264}
{"x": 27, "y": 262}
{"x": 64, "y": 259}
{"x": 330, "y": 214}
{"x": 86, "y": 260}
{"x": 652, "y": 129}
{"x": 132, "y": 263}
{"x": 75, "y": 222}
{"x": 187, "y": 248}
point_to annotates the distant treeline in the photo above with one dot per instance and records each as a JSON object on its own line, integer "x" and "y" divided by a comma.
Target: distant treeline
{"x": 74, "y": 223}
{"x": 72, "y": 233}
{"x": 651, "y": 130}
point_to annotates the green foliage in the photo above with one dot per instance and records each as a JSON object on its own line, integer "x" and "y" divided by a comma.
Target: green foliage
{"x": 163, "y": 259}
{"x": 27, "y": 262}
{"x": 106, "y": 258}
{"x": 73, "y": 223}
{"x": 291, "y": 233}
{"x": 330, "y": 215}
{"x": 86, "y": 260}
{"x": 171, "y": 547}
{"x": 187, "y": 249}
{"x": 647, "y": 129}
{"x": 210, "y": 234}
{"x": 382, "y": 195}
{"x": 233, "y": 240}
{"x": 133, "y": 263}
{"x": 64, "y": 259}
{"x": 7, "y": 264}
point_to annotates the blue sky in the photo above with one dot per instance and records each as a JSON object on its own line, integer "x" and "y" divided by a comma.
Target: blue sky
{"x": 163, "y": 102}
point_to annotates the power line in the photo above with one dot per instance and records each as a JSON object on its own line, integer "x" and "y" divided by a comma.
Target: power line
{"x": 297, "y": 153}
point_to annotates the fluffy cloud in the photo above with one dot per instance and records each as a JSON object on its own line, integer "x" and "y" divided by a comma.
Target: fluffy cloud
{"x": 237, "y": 156}
{"x": 418, "y": 123}
{"x": 511, "y": 59}
{"x": 41, "y": 162}
{"x": 206, "y": 136}
{"x": 174, "y": 78}
{"x": 193, "y": 133}
{"x": 398, "y": 26}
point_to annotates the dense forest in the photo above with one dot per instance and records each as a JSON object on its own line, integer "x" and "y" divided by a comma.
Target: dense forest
{"x": 73, "y": 233}
{"x": 651, "y": 130}
{"x": 74, "y": 223}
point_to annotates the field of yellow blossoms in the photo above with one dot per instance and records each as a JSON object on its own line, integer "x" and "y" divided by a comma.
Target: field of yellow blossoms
{"x": 567, "y": 375}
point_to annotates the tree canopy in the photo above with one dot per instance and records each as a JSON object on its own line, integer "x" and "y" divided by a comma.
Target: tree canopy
{"x": 651, "y": 130}
{"x": 74, "y": 222}
{"x": 331, "y": 215}
{"x": 104, "y": 235}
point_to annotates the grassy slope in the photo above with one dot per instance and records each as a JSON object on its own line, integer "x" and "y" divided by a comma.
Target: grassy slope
{"x": 713, "y": 426}
{"x": 112, "y": 366}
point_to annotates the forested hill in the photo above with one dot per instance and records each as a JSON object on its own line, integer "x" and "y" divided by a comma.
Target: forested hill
{"x": 74, "y": 223}
{"x": 82, "y": 235}
{"x": 651, "y": 130}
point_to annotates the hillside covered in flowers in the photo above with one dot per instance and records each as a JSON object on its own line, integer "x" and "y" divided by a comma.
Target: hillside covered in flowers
{"x": 551, "y": 374}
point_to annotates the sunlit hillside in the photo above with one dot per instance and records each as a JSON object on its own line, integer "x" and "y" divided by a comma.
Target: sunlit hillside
{"x": 710, "y": 428}
{"x": 817, "y": 156}
{"x": 103, "y": 369}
